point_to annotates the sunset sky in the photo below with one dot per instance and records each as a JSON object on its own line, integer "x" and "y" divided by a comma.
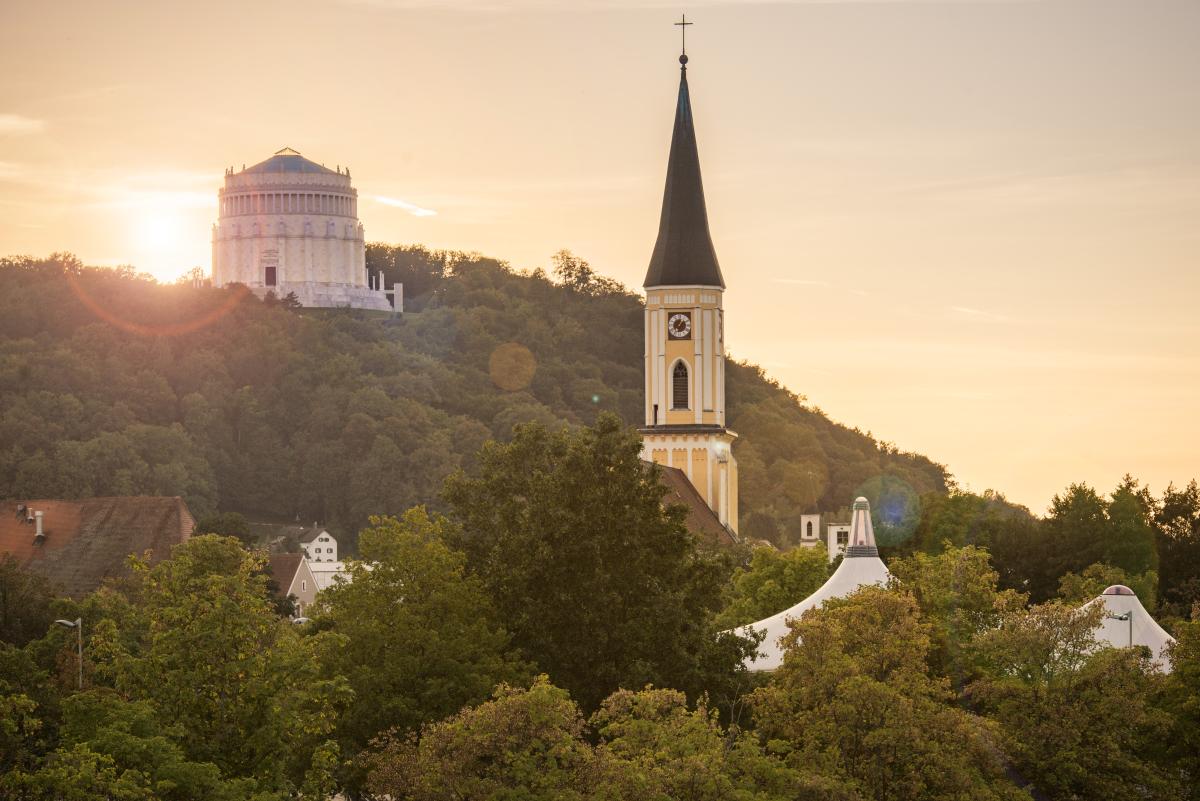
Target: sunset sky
{"x": 970, "y": 227}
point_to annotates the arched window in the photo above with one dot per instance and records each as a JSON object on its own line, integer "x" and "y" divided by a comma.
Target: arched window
{"x": 809, "y": 533}
{"x": 679, "y": 386}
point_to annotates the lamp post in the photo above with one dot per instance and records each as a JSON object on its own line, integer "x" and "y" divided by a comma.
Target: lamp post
{"x": 76, "y": 624}
{"x": 1125, "y": 616}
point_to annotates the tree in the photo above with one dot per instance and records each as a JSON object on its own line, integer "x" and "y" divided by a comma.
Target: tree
{"x": 599, "y": 583}
{"x": 1080, "y": 588}
{"x": 1181, "y": 700}
{"x": 534, "y": 744}
{"x": 25, "y": 599}
{"x": 129, "y": 735}
{"x": 416, "y": 636}
{"x": 235, "y": 685}
{"x": 227, "y": 524}
{"x": 653, "y": 747}
{"x": 578, "y": 276}
{"x": 1083, "y": 529}
{"x": 77, "y": 774}
{"x": 1077, "y": 721}
{"x": 854, "y": 699}
{"x": 958, "y": 595}
{"x": 772, "y": 582}
{"x": 524, "y": 744}
{"x": 1177, "y": 520}
{"x": 965, "y": 518}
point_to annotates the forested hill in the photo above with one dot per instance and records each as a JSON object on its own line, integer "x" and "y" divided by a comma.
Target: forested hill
{"x": 112, "y": 384}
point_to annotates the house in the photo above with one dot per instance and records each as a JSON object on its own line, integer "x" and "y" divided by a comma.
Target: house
{"x": 326, "y": 573}
{"x": 318, "y": 544}
{"x": 837, "y": 534}
{"x": 79, "y": 544}
{"x": 294, "y": 578}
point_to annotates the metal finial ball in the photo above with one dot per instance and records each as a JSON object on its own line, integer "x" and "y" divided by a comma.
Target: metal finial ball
{"x": 683, "y": 59}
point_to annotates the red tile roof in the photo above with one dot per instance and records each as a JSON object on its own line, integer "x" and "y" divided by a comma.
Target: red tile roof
{"x": 701, "y": 520}
{"x": 283, "y": 569}
{"x": 90, "y": 540}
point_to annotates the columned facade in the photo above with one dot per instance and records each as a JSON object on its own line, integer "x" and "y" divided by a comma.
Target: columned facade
{"x": 289, "y": 225}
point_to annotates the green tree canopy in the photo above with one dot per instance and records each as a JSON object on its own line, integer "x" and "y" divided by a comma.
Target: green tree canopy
{"x": 234, "y": 685}
{"x": 959, "y": 599}
{"x": 598, "y": 582}
{"x": 523, "y": 744}
{"x": 855, "y": 700}
{"x": 25, "y": 601}
{"x": 1076, "y": 721}
{"x": 772, "y": 582}
{"x": 416, "y": 638}
{"x": 1079, "y": 588}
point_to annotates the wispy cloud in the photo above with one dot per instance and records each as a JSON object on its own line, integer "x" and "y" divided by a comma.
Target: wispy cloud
{"x": 980, "y": 314}
{"x": 799, "y": 282}
{"x": 17, "y": 124}
{"x": 411, "y": 208}
{"x": 818, "y": 283}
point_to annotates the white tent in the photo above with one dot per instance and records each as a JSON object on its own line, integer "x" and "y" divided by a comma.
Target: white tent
{"x": 860, "y": 567}
{"x": 1127, "y": 623}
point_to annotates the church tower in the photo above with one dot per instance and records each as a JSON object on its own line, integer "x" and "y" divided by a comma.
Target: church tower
{"x": 685, "y": 333}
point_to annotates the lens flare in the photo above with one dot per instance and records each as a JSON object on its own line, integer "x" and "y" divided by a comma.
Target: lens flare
{"x": 234, "y": 295}
{"x": 512, "y": 366}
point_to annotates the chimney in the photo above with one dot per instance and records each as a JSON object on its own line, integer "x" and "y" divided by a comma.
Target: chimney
{"x": 38, "y": 536}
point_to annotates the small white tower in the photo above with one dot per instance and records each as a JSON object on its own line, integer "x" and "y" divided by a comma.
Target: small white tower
{"x": 861, "y": 567}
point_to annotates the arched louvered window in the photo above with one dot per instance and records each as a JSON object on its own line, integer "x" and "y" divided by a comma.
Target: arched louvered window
{"x": 810, "y": 531}
{"x": 679, "y": 386}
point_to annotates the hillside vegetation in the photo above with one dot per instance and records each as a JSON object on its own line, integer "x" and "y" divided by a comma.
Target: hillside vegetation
{"x": 113, "y": 384}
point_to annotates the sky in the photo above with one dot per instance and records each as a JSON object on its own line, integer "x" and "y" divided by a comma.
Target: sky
{"x": 970, "y": 227}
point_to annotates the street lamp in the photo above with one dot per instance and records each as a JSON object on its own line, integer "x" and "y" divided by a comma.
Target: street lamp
{"x": 1125, "y": 616}
{"x": 76, "y": 624}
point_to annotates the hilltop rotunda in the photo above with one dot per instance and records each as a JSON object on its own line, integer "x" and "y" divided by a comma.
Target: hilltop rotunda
{"x": 290, "y": 225}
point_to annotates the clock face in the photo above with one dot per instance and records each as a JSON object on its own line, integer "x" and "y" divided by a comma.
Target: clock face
{"x": 679, "y": 325}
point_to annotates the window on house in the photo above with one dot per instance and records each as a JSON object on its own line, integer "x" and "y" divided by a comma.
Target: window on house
{"x": 808, "y": 529}
{"x": 303, "y": 586}
{"x": 270, "y": 276}
{"x": 679, "y": 386}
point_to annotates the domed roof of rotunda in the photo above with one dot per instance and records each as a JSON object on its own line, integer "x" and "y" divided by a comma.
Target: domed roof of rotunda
{"x": 288, "y": 160}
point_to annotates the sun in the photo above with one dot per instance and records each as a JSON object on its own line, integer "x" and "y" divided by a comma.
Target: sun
{"x": 156, "y": 230}
{"x": 164, "y": 237}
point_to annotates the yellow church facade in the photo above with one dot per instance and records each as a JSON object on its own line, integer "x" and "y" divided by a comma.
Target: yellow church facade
{"x": 685, "y": 334}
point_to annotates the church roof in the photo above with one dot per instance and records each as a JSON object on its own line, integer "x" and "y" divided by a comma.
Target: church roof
{"x": 701, "y": 519}
{"x": 684, "y": 253}
{"x": 288, "y": 160}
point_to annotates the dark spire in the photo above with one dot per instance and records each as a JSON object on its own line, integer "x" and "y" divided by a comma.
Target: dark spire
{"x": 684, "y": 254}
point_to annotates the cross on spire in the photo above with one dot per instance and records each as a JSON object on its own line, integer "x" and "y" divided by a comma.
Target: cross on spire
{"x": 683, "y": 23}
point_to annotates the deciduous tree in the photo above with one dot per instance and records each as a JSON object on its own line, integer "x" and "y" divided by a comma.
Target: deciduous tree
{"x": 600, "y": 584}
